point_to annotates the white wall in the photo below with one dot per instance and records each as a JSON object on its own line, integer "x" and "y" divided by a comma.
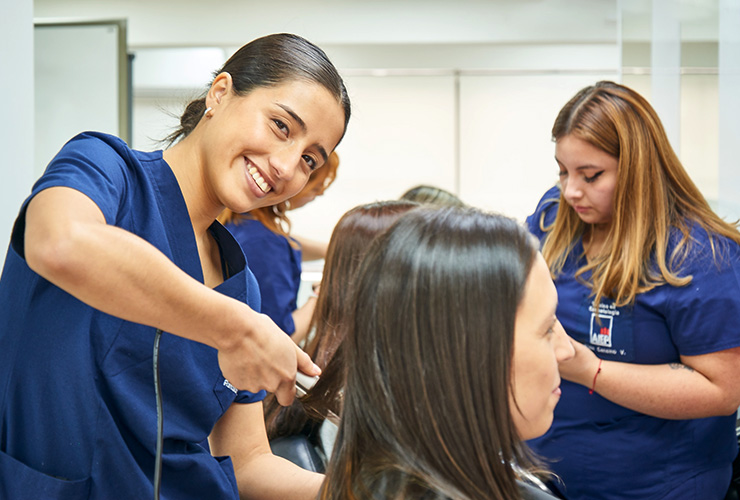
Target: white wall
{"x": 16, "y": 127}
{"x": 402, "y": 133}
{"x": 471, "y": 118}
{"x": 729, "y": 117}
{"x": 457, "y": 93}
{"x": 506, "y": 151}
{"x": 480, "y": 132}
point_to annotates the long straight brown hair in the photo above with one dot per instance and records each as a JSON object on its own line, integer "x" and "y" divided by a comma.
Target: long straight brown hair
{"x": 654, "y": 197}
{"x": 349, "y": 241}
{"x": 429, "y": 340}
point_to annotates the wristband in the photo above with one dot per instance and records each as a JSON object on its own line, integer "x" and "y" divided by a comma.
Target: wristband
{"x": 593, "y": 384}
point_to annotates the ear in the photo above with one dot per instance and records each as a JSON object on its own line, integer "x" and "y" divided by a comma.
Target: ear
{"x": 220, "y": 88}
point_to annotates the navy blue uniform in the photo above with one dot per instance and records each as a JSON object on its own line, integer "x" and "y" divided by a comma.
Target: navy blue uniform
{"x": 603, "y": 450}
{"x": 77, "y": 404}
{"x": 277, "y": 266}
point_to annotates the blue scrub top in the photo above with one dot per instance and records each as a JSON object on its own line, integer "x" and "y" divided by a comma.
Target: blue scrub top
{"x": 77, "y": 404}
{"x": 603, "y": 450}
{"x": 276, "y": 265}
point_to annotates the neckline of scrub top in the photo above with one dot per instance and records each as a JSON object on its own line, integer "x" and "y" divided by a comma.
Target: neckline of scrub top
{"x": 176, "y": 217}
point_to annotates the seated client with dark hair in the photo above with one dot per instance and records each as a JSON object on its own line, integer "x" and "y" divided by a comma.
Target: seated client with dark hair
{"x": 349, "y": 241}
{"x": 451, "y": 357}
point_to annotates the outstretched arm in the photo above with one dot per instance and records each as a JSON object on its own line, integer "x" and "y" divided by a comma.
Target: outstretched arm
{"x": 68, "y": 242}
{"x": 311, "y": 249}
{"x": 302, "y": 320}
{"x": 699, "y": 386}
{"x": 240, "y": 434}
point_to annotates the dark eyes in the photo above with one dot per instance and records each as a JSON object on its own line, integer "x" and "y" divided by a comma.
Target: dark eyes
{"x": 281, "y": 126}
{"x": 310, "y": 161}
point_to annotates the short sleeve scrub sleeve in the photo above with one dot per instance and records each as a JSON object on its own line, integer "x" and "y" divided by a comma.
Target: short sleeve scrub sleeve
{"x": 77, "y": 403}
{"x": 603, "y": 450}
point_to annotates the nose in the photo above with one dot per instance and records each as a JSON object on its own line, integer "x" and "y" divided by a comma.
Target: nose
{"x": 563, "y": 346}
{"x": 571, "y": 189}
{"x": 285, "y": 161}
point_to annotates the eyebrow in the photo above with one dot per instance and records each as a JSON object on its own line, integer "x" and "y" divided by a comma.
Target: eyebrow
{"x": 553, "y": 318}
{"x": 582, "y": 167}
{"x": 300, "y": 122}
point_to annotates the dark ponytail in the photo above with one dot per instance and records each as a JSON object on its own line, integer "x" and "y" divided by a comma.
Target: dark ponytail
{"x": 189, "y": 119}
{"x": 267, "y": 61}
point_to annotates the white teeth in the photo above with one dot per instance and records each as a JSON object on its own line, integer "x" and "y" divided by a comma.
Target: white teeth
{"x": 259, "y": 180}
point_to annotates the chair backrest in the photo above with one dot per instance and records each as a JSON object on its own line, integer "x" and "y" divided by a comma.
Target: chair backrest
{"x": 299, "y": 450}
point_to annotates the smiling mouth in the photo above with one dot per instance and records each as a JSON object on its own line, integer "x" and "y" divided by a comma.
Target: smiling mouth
{"x": 264, "y": 186}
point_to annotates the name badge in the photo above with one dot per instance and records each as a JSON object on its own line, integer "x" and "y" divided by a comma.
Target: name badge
{"x": 610, "y": 333}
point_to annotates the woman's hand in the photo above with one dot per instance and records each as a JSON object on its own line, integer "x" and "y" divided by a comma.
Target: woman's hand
{"x": 697, "y": 387}
{"x": 264, "y": 357}
{"x": 582, "y": 367}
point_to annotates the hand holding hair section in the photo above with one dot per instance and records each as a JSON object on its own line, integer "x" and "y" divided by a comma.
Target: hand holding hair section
{"x": 304, "y": 383}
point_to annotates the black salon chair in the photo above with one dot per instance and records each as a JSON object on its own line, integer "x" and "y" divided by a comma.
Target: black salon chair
{"x": 299, "y": 450}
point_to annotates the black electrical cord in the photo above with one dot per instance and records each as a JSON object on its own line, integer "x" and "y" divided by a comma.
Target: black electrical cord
{"x": 160, "y": 419}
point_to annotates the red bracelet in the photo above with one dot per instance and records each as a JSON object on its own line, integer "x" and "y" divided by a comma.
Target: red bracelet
{"x": 593, "y": 385}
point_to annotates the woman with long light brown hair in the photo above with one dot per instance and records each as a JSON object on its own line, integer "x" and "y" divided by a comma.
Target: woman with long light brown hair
{"x": 648, "y": 281}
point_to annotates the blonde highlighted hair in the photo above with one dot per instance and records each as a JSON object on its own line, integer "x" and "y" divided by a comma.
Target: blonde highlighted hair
{"x": 654, "y": 196}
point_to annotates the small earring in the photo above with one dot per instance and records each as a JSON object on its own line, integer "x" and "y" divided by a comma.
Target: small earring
{"x": 205, "y": 113}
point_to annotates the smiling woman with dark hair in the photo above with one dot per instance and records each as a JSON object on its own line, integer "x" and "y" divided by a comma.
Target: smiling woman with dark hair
{"x": 452, "y": 348}
{"x": 116, "y": 249}
{"x": 276, "y": 256}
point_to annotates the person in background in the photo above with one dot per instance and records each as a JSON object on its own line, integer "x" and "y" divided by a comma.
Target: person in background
{"x": 452, "y": 350}
{"x": 349, "y": 241}
{"x": 648, "y": 280}
{"x": 274, "y": 256}
{"x": 432, "y": 195}
{"x": 116, "y": 255}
